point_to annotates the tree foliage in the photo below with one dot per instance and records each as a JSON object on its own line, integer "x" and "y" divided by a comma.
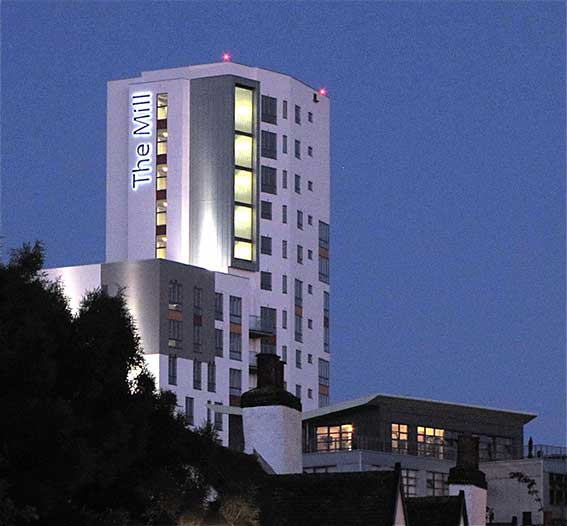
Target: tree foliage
{"x": 85, "y": 438}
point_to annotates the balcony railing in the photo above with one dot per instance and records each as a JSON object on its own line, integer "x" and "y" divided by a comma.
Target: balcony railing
{"x": 422, "y": 449}
{"x": 259, "y": 327}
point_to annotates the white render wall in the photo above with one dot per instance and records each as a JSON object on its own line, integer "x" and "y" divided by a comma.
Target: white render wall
{"x": 475, "y": 499}
{"x": 131, "y": 214}
{"x": 275, "y": 433}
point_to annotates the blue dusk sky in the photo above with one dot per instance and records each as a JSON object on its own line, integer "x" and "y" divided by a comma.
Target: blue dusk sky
{"x": 448, "y": 170}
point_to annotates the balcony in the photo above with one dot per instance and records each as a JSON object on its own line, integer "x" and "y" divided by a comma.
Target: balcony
{"x": 421, "y": 449}
{"x": 259, "y": 328}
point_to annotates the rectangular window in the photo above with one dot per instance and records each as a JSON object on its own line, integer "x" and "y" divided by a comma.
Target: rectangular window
{"x": 334, "y": 438}
{"x": 284, "y": 353}
{"x": 243, "y": 222}
{"x": 269, "y": 145}
{"x": 298, "y": 293}
{"x": 266, "y": 280}
{"x": 323, "y": 269}
{"x": 297, "y": 114}
{"x": 172, "y": 369}
{"x": 310, "y": 254}
{"x": 298, "y": 358}
{"x": 323, "y": 400}
{"x": 175, "y": 295}
{"x": 269, "y": 180}
{"x": 243, "y": 186}
{"x": 310, "y": 117}
{"x": 269, "y": 109}
{"x": 310, "y": 151}
{"x": 243, "y": 151}
{"x": 324, "y": 235}
{"x": 175, "y": 330}
{"x": 284, "y": 179}
{"x": 324, "y": 372}
{"x": 235, "y": 350}
{"x": 197, "y": 375}
{"x": 297, "y": 149}
{"x": 437, "y": 485}
{"x": 197, "y": 300}
{"x": 309, "y": 358}
{"x": 189, "y": 411}
{"x": 218, "y": 306}
{"x": 284, "y": 144}
{"x": 430, "y": 442}
{"x": 298, "y": 391}
{"x": 310, "y": 187}
{"x": 284, "y": 284}
{"x": 309, "y": 323}
{"x": 284, "y": 214}
{"x": 326, "y": 338}
{"x": 310, "y": 394}
{"x": 197, "y": 338}
{"x": 266, "y": 245}
{"x": 211, "y": 377}
{"x": 298, "y": 328}
{"x": 218, "y": 419}
{"x": 409, "y": 481}
{"x": 284, "y": 249}
{"x": 310, "y": 289}
{"x": 300, "y": 254}
{"x": 399, "y": 436}
{"x": 219, "y": 344}
{"x": 235, "y": 382}
{"x": 243, "y": 109}
{"x": 235, "y": 310}
{"x": 297, "y": 184}
{"x": 284, "y": 319}
{"x": 284, "y": 109}
{"x": 300, "y": 220}
{"x": 266, "y": 210}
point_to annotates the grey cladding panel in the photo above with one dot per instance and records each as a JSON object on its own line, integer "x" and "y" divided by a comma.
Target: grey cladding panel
{"x": 211, "y": 169}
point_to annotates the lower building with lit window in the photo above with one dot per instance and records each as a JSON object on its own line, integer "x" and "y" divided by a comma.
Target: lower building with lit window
{"x": 378, "y": 431}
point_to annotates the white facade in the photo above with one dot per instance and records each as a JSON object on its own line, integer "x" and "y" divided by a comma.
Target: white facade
{"x": 133, "y": 230}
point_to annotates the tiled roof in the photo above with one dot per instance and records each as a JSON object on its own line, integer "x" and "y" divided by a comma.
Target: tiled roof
{"x": 328, "y": 499}
{"x": 436, "y": 511}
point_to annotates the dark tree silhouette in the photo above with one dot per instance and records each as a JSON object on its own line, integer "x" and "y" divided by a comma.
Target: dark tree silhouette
{"x": 85, "y": 439}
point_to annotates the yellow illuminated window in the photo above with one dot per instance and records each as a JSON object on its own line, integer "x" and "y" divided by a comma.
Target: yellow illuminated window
{"x": 399, "y": 436}
{"x": 243, "y": 151}
{"x": 243, "y": 186}
{"x": 162, "y": 106}
{"x": 161, "y": 218}
{"x": 243, "y": 222}
{"x": 161, "y": 183}
{"x": 430, "y": 441}
{"x": 162, "y": 147}
{"x": 243, "y": 109}
{"x": 243, "y": 250}
{"x": 333, "y": 438}
{"x": 161, "y": 253}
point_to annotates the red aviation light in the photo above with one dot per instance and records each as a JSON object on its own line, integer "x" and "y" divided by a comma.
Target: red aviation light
{"x": 226, "y": 57}
{"x": 323, "y": 92}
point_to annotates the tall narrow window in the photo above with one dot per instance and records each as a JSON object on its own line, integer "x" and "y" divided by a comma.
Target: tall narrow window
{"x": 284, "y": 144}
{"x": 219, "y": 342}
{"x": 324, "y": 238}
{"x": 243, "y": 173}
{"x": 235, "y": 349}
{"x": 211, "y": 377}
{"x": 297, "y": 149}
{"x": 197, "y": 375}
{"x": 161, "y": 176}
{"x": 235, "y": 382}
{"x": 269, "y": 180}
{"x": 235, "y": 310}
{"x": 172, "y": 370}
{"x": 218, "y": 306}
{"x": 269, "y": 109}
{"x": 284, "y": 178}
{"x": 284, "y": 109}
{"x": 297, "y": 114}
{"x": 189, "y": 410}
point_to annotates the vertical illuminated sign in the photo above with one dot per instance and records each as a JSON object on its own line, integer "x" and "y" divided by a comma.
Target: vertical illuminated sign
{"x": 142, "y": 131}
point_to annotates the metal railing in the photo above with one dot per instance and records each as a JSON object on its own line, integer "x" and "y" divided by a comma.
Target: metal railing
{"x": 439, "y": 451}
{"x": 259, "y": 325}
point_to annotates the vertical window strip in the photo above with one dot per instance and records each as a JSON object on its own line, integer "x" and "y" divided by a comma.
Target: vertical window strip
{"x": 161, "y": 175}
{"x": 243, "y": 243}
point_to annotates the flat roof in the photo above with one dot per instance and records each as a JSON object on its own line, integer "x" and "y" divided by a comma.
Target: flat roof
{"x": 350, "y": 404}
